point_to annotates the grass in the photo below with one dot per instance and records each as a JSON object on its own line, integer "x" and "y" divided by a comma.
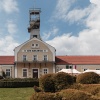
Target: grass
{"x": 26, "y": 93}
{"x": 16, "y": 93}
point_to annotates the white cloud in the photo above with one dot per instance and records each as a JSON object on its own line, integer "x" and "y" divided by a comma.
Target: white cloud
{"x": 78, "y": 14}
{"x": 64, "y": 12}
{"x": 97, "y": 2}
{"x": 52, "y": 32}
{"x": 9, "y": 6}
{"x": 11, "y": 27}
{"x": 7, "y": 45}
{"x": 93, "y": 21}
{"x": 88, "y": 40}
{"x": 87, "y": 43}
{"x": 62, "y": 8}
{"x": 7, "y": 41}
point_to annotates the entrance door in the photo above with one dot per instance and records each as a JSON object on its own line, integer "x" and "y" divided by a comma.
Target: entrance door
{"x": 35, "y": 73}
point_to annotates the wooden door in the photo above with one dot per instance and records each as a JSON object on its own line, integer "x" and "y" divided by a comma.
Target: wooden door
{"x": 35, "y": 73}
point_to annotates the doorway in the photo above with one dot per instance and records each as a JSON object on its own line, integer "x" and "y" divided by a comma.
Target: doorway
{"x": 35, "y": 73}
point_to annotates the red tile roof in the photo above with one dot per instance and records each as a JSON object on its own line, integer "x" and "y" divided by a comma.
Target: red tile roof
{"x": 60, "y": 60}
{"x": 7, "y": 60}
{"x": 77, "y": 60}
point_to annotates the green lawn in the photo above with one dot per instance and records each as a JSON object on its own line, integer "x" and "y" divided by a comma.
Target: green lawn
{"x": 16, "y": 93}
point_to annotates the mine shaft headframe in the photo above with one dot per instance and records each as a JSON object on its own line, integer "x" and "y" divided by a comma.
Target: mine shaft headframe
{"x": 34, "y": 12}
{"x": 34, "y": 22}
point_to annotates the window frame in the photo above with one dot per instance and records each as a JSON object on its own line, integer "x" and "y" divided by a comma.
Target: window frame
{"x": 37, "y": 45}
{"x": 45, "y": 71}
{"x": 8, "y": 72}
{"x": 34, "y": 57}
{"x": 98, "y": 69}
{"x": 45, "y": 58}
{"x": 69, "y": 66}
{"x": 84, "y": 69}
{"x": 24, "y": 59}
{"x": 24, "y": 72}
{"x": 32, "y": 45}
{"x": 34, "y": 36}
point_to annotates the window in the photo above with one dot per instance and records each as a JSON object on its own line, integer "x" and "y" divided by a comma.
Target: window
{"x": 33, "y": 45}
{"x": 28, "y": 50}
{"x": 8, "y": 72}
{"x": 37, "y": 45}
{"x": 45, "y": 58}
{"x": 45, "y": 50}
{"x": 24, "y": 72}
{"x": 24, "y": 57}
{"x": 34, "y": 57}
{"x": 69, "y": 67}
{"x": 34, "y": 36}
{"x": 84, "y": 69}
{"x": 45, "y": 70}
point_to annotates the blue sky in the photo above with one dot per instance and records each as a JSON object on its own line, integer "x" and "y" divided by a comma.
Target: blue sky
{"x": 71, "y": 26}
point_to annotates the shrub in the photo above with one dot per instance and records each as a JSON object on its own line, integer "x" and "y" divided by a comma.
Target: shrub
{"x": 94, "y": 89}
{"x": 62, "y": 80}
{"x": 74, "y": 79}
{"x": 72, "y": 94}
{"x": 37, "y": 89}
{"x": 76, "y": 86}
{"x": 88, "y": 78}
{"x": 46, "y": 96}
{"x": 46, "y": 82}
{"x": 67, "y": 94}
{"x": 15, "y": 83}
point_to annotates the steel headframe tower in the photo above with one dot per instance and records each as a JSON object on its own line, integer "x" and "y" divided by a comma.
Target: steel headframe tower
{"x": 34, "y": 23}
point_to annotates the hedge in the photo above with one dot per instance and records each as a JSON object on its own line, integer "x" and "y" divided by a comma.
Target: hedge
{"x": 88, "y": 78}
{"x": 16, "y": 83}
